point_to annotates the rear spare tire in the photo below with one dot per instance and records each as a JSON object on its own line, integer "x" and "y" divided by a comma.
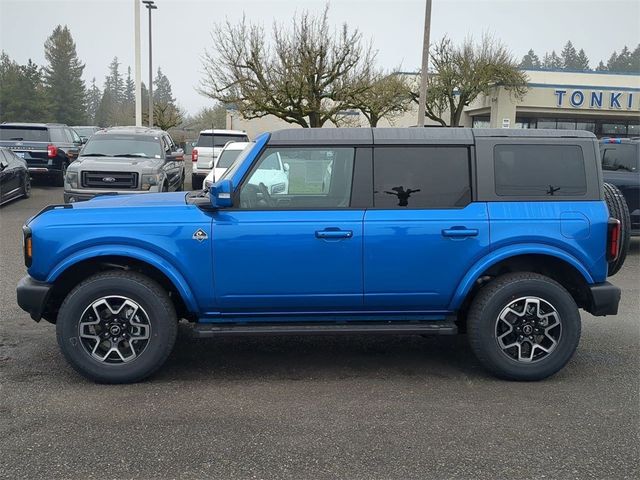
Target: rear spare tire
{"x": 618, "y": 209}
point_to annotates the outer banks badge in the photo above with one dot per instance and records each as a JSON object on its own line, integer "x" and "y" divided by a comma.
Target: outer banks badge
{"x": 200, "y": 235}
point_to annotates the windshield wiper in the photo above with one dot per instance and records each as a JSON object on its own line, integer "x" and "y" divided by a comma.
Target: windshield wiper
{"x": 93, "y": 155}
{"x": 141, "y": 155}
{"x": 17, "y": 138}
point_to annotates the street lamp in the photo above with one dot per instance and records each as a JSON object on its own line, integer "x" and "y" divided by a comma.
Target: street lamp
{"x": 150, "y": 6}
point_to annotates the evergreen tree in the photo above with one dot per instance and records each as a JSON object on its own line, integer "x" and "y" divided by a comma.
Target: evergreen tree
{"x": 114, "y": 83}
{"x": 635, "y": 60}
{"x": 552, "y": 61}
{"x": 94, "y": 97}
{"x": 129, "y": 89}
{"x": 569, "y": 57}
{"x": 530, "y": 60}
{"x": 63, "y": 78}
{"x": 582, "y": 62}
{"x": 601, "y": 67}
{"x": 162, "y": 90}
{"x": 621, "y": 62}
{"x": 611, "y": 63}
{"x": 104, "y": 113}
{"x": 22, "y": 97}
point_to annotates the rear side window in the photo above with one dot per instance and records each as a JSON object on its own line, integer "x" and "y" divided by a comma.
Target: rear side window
{"x": 24, "y": 134}
{"x": 539, "y": 170}
{"x": 421, "y": 177}
{"x": 220, "y": 140}
{"x": 622, "y": 157}
{"x": 58, "y": 135}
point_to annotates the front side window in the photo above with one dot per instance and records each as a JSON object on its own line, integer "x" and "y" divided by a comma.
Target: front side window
{"x": 539, "y": 170}
{"x": 121, "y": 145}
{"x": 421, "y": 177}
{"x": 286, "y": 178}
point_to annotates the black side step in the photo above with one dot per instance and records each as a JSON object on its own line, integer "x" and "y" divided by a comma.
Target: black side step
{"x": 374, "y": 328}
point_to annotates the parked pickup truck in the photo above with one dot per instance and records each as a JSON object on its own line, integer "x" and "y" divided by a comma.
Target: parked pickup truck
{"x": 48, "y": 148}
{"x": 501, "y": 234}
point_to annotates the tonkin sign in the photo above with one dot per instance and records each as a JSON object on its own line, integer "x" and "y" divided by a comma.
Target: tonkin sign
{"x": 598, "y": 99}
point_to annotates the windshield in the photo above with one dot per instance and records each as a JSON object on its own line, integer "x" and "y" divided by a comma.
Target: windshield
{"x": 19, "y": 134}
{"x": 227, "y": 157}
{"x": 220, "y": 140}
{"x": 238, "y": 161}
{"x": 122, "y": 146}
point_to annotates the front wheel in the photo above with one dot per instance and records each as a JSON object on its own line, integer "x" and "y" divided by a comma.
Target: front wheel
{"x": 523, "y": 326}
{"x": 117, "y": 327}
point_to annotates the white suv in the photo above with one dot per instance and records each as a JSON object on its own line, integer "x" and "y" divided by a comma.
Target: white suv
{"x": 227, "y": 156}
{"x": 207, "y": 149}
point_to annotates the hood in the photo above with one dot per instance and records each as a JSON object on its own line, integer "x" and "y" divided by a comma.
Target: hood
{"x": 111, "y": 164}
{"x": 136, "y": 200}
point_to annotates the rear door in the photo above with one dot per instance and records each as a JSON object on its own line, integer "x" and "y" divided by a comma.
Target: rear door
{"x": 296, "y": 250}
{"x": 27, "y": 142}
{"x": 424, "y": 231}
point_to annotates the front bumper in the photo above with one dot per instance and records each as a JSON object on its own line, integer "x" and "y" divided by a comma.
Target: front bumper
{"x": 32, "y": 296}
{"x": 603, "y": 299}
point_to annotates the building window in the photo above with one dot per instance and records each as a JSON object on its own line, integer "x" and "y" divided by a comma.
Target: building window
{"x": 614, "y": 129}
{"x": 481, "y": 122}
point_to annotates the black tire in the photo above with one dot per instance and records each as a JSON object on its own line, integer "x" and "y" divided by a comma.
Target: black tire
{"x": 58, "y": 180}
{"x": 154, "y": 303}
{"x": 196, "y": 182}
{"x": 27, "y": 186}
{"x": 504, "y": 291}
{"x": 165, "y": 187}
{"x": 619, "y": 210}
{"x": 180, "y": 187}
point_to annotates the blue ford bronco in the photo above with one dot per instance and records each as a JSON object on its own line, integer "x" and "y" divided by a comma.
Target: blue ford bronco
{"x": 500, "y": 234}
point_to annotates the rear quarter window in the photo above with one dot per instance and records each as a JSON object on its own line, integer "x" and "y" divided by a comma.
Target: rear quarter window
{"x": 539, "y": 171}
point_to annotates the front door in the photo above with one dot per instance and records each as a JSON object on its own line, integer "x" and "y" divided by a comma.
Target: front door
{"x": 291, "y": 244}
{"x": 424, "y": 231}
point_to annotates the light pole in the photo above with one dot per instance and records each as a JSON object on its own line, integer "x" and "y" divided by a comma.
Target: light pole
{"x": 150, "y": 6}
{"x": 138, "y": 74}
{"x": 425, "y": 63}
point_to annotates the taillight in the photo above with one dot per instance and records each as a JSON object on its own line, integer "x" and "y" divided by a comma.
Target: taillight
{"x": 52, "y": 151}
{"x": 613, "y": 239}
{"x": 27, "y": 244}
{"x": 194, "y": 155}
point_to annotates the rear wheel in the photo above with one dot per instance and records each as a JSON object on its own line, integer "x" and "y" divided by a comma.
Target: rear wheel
{"x": 523, "y": 326}
{"x": 618, "y": 209}
{"x": 117, "y": 327}
{"x": 58, "y": 180}
{"x": 27, "y": 186}
{"x": 196, "y": 182}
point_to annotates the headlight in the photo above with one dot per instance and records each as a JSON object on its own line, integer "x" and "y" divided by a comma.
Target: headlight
{"x": 150, "y": 180}
{"x": 72, "y": 179}
{"x": 278, "y": 188}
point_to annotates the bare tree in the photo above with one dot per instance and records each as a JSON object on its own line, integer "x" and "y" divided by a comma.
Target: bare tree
{"x": 462, "y": 73}
{"x": 384, "y": 95}
{"x": 166, "y": 115}
{"x": 305, "y": 75}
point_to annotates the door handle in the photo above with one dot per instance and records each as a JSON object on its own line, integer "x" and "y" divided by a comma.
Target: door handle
{"x": 334, "y": 233}
{"x": 460, "y": 232}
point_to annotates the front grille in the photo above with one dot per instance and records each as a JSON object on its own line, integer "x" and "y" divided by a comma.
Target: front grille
{"x": 111, "y": 180}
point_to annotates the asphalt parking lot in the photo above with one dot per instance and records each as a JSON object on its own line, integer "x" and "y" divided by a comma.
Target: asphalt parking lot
{"x": 315, "y": 407}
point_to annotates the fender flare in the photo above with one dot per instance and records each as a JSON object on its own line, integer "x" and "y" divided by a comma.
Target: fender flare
{"x": 136, "y": 253}
{"x": 467, "y": 282}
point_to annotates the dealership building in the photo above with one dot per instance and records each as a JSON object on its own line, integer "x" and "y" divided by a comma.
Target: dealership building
{"x": 607, "y": 104}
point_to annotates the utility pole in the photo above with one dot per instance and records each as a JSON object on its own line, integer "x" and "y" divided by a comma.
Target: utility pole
{"x": 150, "y": 6}
{"x": 425, "y": 64}
{"x": 137, "y": 66}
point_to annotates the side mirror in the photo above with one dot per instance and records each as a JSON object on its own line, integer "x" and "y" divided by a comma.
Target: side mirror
{"x": 83, "y": 140}
{"x": 178, "y": 155}
{"x": 220, "y": 194}
{"x": 286, "y": 167}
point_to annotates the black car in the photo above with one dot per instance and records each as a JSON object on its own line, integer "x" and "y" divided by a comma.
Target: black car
{"x": 621, "y": 167}
{"x": 15, "y": 181}
{"x": 48, "y": 148}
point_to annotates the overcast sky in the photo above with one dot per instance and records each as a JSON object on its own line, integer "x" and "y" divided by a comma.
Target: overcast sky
{"x": 103, "y": 29}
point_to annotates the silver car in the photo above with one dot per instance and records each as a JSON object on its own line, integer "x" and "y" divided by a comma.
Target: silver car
{"x": 125, "y": 160}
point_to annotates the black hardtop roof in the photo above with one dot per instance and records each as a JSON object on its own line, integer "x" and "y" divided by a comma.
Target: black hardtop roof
{"x": 392, "y": 136}
{"x": 31, "y": 124}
